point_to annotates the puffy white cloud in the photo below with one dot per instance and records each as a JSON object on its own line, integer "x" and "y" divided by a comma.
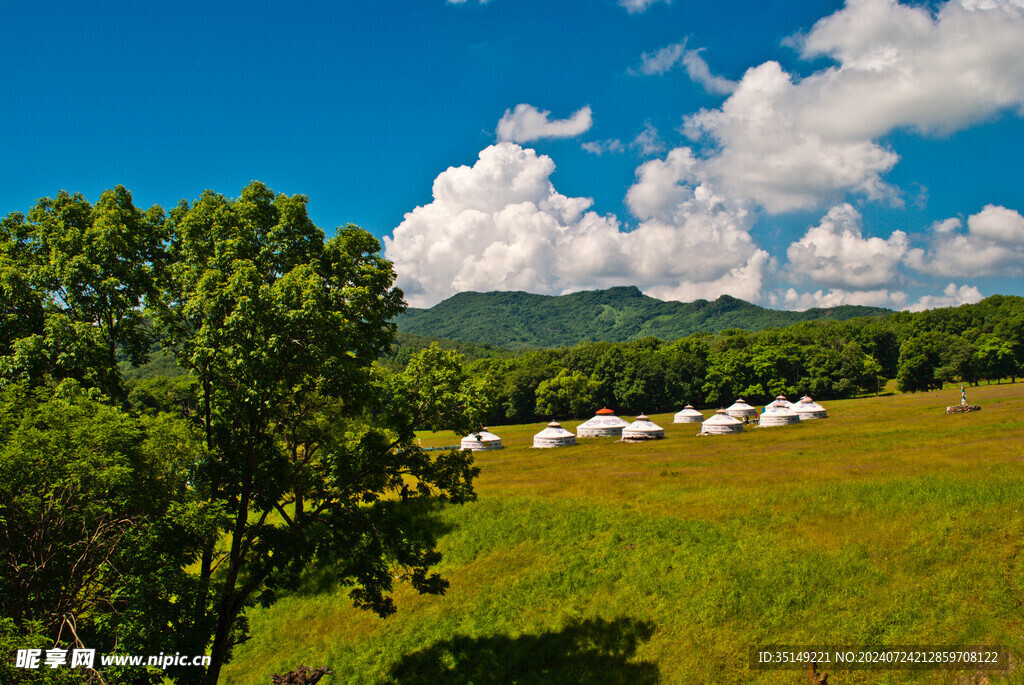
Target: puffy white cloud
{"x": 663, "y": 184}
{"x": 791, "y": 143}
{"x": 599, "y": 147}
{"x": 648, "y": 141}
{"x": 903, "y": 66}
{"x": 998, "y": 224}
{"x": 835, "y": 253}
{"x": 635, "y": 6}
{"x": 835, "y": 297}
{"x": 993, "y": 245}
{"x": 952, "y": 296}
{"x": 526, "y": 123}
{"x": 762, "y": 153}
{"x": 676, "y": 54}
{"x": 501, "y": 225}
{"x": 745, "y": 281}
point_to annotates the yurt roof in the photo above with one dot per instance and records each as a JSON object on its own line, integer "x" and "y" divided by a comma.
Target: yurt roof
{"x": 688, "y": 410}
{"x": 721, "y": 418}
{"x": 740, "y": 405}
{"x": 807, "y": 404}
{"x": 774, "y": 408}
{"x": 482, "y": 436}
{"x": 643, "y": 424}
{"x": 554, "y": 430}
{"x": 605, "y": 418}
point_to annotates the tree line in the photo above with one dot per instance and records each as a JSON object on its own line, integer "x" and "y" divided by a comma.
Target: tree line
{"x": 825, "y": 359}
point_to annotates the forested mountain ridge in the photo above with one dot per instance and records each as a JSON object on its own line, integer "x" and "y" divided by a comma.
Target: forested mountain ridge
{"x": 519, "y": 319}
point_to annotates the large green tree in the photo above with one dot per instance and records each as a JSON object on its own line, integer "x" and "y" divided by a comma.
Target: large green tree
{"x": 279, "y": 327}
{"x": 73, "y": 280}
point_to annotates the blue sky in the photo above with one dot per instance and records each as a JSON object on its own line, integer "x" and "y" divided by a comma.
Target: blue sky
{"x": 863, "y": 152}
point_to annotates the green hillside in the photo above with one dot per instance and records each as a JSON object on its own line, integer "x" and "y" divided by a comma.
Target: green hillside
{"x": 518, "y": 319}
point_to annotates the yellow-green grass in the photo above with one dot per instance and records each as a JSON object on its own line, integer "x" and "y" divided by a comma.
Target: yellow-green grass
{"x": 887, "y": 523}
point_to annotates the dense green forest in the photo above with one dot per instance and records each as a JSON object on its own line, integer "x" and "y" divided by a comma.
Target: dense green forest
{"x": 826, "y": 359}
{"x": 518, "y": 319}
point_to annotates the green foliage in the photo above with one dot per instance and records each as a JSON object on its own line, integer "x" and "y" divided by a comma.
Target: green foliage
{"x": 97, "y": 520}
{"x": 73, "y": 279}
{"x": 407, "y": 344}
{"x": 518, "y": 319}
{"x": 568, "y": 393}
{"x": 920, "y": 355}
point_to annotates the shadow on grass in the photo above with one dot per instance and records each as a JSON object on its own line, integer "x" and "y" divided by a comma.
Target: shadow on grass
{"x": 418, "y": 519}
{"x": 590, "y": 651}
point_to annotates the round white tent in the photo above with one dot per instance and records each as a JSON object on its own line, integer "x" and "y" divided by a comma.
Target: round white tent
{"x": 554, "y": 436}
{"x": 721, "y": 423}
{"x": 605, "y": 424}
{"x": 642, "y": 429}
{"x": 778, "y": 415}
{"x": 741, "y": 410}
{"x": 483, "y": 440}
{"x": 688, "y": 415}
{"x": 779, "y": 401}
{"x": 807, "y": 408}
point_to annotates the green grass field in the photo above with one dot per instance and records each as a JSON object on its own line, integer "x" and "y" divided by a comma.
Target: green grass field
{"x": 887, "y": 523}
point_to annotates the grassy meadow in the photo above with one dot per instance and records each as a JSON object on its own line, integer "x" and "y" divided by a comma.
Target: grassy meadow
{"x": 887, "y": 523}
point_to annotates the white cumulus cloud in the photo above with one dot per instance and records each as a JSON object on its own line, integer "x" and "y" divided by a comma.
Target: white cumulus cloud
{"x": 526, "y": 123}
{"x": 952, "y": 296}
{"x": 835, "y": 297}
{"x": 501, "y": 225}
{"x": 760, "y": 150}
{"x": 835, "y": 253}
{"x": 789, "y": 143}
{"x": 992, "y": 245}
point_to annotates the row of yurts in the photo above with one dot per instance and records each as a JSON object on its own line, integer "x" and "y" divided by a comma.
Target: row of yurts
{"x": 606, "y": 424}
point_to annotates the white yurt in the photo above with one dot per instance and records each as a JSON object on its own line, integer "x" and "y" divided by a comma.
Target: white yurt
{"x": 779, "y": 401}
{"x": 807, "y": 408}
{"x": 483, "y": 440}
{"x": 778, "y": 415}
{"x": 689, "y": 415}
{"x": 741, "y": 410}
{"x": 605, "y": 424}
{"x": 554, "y": 436}
{"x": 720, "y": 423}
{"x": 642, "y": 429}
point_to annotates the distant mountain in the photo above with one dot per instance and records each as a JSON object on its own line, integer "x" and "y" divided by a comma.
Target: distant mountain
{"x": 518, "y": 319}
